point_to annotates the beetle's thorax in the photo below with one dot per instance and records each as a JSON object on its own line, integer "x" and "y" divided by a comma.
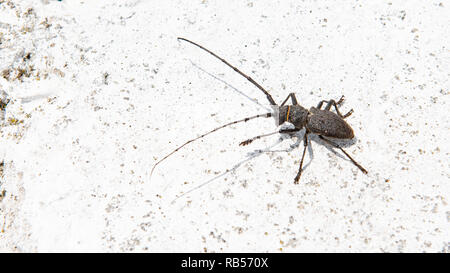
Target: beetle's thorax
{"x": 295, "y": 114}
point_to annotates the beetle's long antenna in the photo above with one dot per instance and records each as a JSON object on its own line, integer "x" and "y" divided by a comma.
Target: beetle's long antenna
{"x": 267, "y": 115}
{"x": 269, "y": 97}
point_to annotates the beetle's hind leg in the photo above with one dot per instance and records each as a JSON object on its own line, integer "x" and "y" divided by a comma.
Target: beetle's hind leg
{"x": 337, "y": 146}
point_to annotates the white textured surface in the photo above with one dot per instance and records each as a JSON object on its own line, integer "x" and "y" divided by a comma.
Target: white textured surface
{"x": 76, "y": 171}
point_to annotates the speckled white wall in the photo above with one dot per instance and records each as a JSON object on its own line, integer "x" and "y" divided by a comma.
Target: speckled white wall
{"x": 99, "y": 92}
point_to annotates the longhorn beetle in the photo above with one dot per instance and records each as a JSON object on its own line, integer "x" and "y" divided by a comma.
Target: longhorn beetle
{"x": 323, "y": 123}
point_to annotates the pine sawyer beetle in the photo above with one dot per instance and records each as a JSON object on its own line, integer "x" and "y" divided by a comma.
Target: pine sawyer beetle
{"x": 323, "y": 123}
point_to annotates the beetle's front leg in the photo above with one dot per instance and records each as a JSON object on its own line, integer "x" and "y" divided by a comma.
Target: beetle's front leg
{"x": 293, "y": 98}
{"x": 282, "y": 131}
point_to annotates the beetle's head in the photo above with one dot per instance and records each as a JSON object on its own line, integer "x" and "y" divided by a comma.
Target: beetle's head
{"x": 280, "y": 114}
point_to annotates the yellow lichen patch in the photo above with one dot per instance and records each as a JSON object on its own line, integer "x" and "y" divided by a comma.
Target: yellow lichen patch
{"x": 14, "y": 121}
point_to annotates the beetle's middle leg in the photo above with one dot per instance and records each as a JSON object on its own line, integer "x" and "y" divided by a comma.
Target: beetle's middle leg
{"x": 335, "y": 104}
{"x": 305, "y": 144}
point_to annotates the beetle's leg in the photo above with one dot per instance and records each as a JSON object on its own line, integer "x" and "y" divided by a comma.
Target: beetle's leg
{"x": 337, "y": 146}
{"x": 305, "y": 144}
{"x": 348, "y": 114}
{"x": 335, "y": 104}
{"x": 283, "y": 131}
{"x": 320, "y": 104}
{"x": 293, "y": 98}
{"x": 328, "y": 101}
{"x": 341, "y": 100}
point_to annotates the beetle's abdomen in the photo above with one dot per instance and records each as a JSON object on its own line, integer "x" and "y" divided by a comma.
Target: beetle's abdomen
{"x": 328, "y": 124}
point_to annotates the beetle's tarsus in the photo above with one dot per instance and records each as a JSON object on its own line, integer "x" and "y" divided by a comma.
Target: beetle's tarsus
{"x": 297, "y": 178}
{"x": 341, "y": 100}
{"x": 348, "y": 114}
{"x": 246, "y": 142}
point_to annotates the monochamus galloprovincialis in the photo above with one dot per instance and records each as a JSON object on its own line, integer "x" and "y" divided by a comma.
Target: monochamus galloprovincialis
{"x": 323, "y": 123}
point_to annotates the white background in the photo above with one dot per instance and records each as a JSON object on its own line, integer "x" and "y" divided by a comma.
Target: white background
{"x": 110, "y": 91}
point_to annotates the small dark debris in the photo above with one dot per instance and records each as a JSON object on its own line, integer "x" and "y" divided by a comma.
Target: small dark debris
{"x": 2, "y": 195}
{"x": 27, "y": 56}
{"x": 3, "y": 104}
{"x": 6, "y": 73}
